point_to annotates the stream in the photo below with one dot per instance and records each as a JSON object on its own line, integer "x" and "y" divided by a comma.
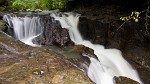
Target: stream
{"x": 110, "y": 62}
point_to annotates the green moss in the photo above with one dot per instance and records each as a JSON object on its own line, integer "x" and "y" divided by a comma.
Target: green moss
{"x": 2, "y": 8}
{"x": 2, "y": 24}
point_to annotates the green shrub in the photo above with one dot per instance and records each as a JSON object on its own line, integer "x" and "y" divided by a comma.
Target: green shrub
{"x": 38, "y": 4}
{"x": 59, "y": 4}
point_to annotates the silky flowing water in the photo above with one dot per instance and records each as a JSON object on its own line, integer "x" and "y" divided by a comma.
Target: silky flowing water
{"x": 110, "y": 62}
{"x": 25, "y": 28}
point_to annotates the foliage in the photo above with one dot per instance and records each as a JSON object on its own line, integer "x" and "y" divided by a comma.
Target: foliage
{"x": 136, "y": 16}
{"x": 59, "y": 3}
{"x": 38, "y": 4}
{"x": 4, "y": 4}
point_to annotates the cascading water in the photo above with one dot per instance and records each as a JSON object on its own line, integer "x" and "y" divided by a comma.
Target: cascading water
{"x": 110, "y": 64}
{"x": 25, "y": 28}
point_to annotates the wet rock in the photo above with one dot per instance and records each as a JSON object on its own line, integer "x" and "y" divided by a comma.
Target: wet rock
{"x": 53, "y": 34}
{"x": 4, "y": 47}
{"x": 64, "y": 78}
{"x": 130, "y": 38}
{"x": 84, "y": 54}
{"x": 29, "y": 65}
{"x": 104, "y": 32}
{"x": 9, "y": 42}
{"x": 124, "y": 80}
{"x": 92, "y": 30}
{"x": 2, "y": 13}
{"x": 138, "y": 56}
{"x": 106, "y": 29}
{"x": 2, "y": 25}
{"x": 81, "y": 49}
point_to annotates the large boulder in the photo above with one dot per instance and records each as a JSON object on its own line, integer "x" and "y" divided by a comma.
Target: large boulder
{"x": 22, "y": 64}
{"x": 53, "y": 34}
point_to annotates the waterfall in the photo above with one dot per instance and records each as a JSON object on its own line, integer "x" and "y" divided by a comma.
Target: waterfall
{"x": 110, "y": 62}
{"x": 25, "y": 28}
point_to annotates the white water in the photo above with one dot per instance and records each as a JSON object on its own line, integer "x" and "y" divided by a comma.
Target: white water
{"x": 25, "y": 28}
{"x": 110, "y": 64}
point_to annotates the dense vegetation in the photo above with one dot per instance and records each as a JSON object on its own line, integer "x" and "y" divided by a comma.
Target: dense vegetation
{"x": 34, "y": 4}
{"x": 61, "y": 4}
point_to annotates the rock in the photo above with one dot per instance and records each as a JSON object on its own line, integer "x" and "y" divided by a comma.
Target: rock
{"x": 84, "y": 54}
{"x": 2, "y": 25}
{"x": 138, "y": 56}
{"x": 9, "y": 42}
{"x": 63, "y": 77}
{"x": 22, "y": 64}
{"x": 124, "y": 80}
{"x": 92, "y": 30}
{"x": 53, "y": 34}
{"x": 104, "y": 32}
{"x": 2, "y": 13}
{"x": 130, "y": 38}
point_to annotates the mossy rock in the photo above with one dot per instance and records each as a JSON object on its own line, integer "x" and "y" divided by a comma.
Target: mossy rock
{"x": 2, "y": 8}
{"x": 2, "y": 25}
{"x": 23, "y": 64}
